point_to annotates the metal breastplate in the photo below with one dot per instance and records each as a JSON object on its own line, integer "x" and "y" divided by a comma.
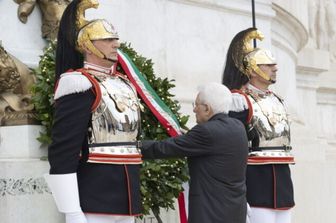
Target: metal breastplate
{"x": 270, "y": 119}
{"x": 116, "y": 120}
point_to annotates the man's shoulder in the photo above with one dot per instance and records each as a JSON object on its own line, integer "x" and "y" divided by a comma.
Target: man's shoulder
{"x": 220, "y": 122}
{"x": 222, "y": 128}
{"x": 70, "y": 83}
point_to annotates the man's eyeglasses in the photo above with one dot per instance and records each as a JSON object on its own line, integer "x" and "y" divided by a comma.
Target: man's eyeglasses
{"x": 194, "y": 104}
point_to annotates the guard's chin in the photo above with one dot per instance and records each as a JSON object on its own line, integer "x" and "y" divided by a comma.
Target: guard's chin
{"x": 273, "y": 81}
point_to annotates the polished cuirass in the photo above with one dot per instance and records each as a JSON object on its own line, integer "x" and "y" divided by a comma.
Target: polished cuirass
{"x": 270, "y": 119}
{"x": 115, "y": 122}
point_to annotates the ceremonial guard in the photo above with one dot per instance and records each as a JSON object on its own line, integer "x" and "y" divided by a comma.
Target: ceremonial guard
{"x": 94, "y": 159}
{"x": 248, "y": 74}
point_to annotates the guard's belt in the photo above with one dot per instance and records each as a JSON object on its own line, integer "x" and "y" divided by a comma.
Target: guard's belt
{"x": 115, "y": 153}
{"x": 270, "y": 155}
{"x": 284, "y": 148}
{"x": 114, "y": 144}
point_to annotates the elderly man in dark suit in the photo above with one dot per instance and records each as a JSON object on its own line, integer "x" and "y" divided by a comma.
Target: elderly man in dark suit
{"x": 217, "y": 154}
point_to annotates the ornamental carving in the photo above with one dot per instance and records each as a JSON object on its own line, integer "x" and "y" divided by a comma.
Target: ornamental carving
{"x": 322, "y": 25}
{"x": 51, "y": 10}
{"x": 16, "y": 80}
{"x": 23, "y": 186}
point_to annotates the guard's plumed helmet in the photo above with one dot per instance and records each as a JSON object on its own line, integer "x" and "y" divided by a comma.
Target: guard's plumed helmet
{"x": 256, "y": 57}
{"x": 95, "y": 30}
{"x": 261, "y": 56}
{"x": 76, "y": 34}
{"x": 92, "y": 30}
{"x": 246, "y": 58}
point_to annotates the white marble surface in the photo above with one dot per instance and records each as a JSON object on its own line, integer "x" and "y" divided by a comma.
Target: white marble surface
{"x": 19, "y": 142}
{"x": 24, "y": 195}
{"x": 21, "y": 40}
{"x": 187, "y": 41}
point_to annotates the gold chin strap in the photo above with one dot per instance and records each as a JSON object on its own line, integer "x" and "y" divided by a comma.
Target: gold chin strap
{"x": 85, "y": 42}
{"x": 260, "y": 72}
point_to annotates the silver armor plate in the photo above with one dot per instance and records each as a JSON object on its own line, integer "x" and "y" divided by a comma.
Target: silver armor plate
{"x": 270, "y": 119}
{"x": 117, "y": 118}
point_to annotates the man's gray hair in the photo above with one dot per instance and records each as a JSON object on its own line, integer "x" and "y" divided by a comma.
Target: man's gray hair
{"x": 217, "y": 96}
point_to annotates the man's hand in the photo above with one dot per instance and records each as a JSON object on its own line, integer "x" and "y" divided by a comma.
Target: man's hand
{"x": 184, "y": 131}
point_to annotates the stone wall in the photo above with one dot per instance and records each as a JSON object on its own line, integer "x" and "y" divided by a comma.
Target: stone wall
{"x": 187, "y": 40}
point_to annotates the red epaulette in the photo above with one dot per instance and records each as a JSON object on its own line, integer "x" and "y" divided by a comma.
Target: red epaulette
{"x": 95, "y": 88}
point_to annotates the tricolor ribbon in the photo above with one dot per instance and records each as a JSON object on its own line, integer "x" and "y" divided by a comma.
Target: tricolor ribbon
{"x": 161, "y": 111}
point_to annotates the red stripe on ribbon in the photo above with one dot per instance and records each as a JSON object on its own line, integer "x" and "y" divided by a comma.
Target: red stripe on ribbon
{"x": 182, "y": 209}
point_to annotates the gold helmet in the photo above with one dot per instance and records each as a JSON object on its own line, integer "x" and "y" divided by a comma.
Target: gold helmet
{"x": 247, "y": 58}
{"x": 95, "y": 30}
{"x": 257, "y": 57}
{"x": 92, "y": 30}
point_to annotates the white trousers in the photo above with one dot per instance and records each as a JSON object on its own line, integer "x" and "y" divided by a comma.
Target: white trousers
{"x": 264, "y": 215}
{"x": 96, "y": 218}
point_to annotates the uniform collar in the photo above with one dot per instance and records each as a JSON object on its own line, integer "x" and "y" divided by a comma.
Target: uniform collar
{"x": 98, "y": 68}
{"x": 257, "y": 90}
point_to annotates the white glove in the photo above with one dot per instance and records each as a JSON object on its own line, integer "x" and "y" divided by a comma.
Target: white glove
{"x": 64, "y": 189}
{"x": 75, "y": 217}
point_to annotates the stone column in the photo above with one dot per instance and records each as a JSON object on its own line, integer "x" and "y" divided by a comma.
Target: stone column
{"x": 306, "y": 83}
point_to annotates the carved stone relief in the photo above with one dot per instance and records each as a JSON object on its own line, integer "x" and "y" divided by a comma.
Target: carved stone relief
{"x": 23, "y": 186}
{"x": 16, "y": 78}
{"x": 322, "y": 25}
{"x": 15, "y": 83}
{"x": 51, "y": 10}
